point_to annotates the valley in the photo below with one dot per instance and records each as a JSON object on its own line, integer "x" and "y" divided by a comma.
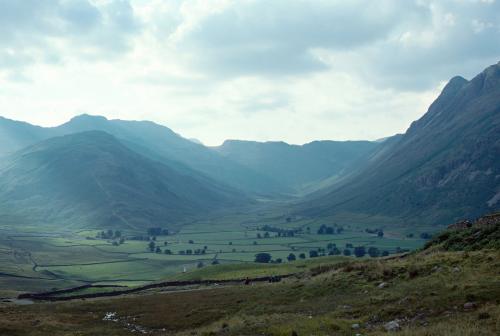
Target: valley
{"x": 442, "y": 289}
{"x": 36, "y": 261}
{"x": 144, "y": 231}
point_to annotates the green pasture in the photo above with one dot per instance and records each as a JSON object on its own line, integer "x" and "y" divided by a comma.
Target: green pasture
{"x": 78, "y": 257}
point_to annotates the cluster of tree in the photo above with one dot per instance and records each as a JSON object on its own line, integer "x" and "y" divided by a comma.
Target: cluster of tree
{"x": 119, "y": 241}
{"x": 109, "y": 234}
{"x": 361, "y": 251}
{"x": 146, "y": 238}
{"x": 378, "y": 232}
{"x": 155, "y": 248}
{"x": 281, "y": 232}
{"x": 330, "y": 230}
{"x": 157, "y": 231}
{"x": 189, "y": 251}
{"x": 263, "y": 258}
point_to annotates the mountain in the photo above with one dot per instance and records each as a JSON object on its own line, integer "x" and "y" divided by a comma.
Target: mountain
{"x": 299, "y": 167}
{"x": 153, "y": 140}
{"x": 445, "y": 167}
{"x": 90, "y": 179}
{"x": 15, "y": 135}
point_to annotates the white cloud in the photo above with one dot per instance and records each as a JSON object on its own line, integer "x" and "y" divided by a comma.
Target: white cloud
{"x": 251, "y": 69}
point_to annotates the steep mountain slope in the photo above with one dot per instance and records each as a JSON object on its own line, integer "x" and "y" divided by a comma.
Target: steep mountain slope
{"x": 15, "y": 135}
{"x": 299, "y": 167}
{"x": 155, "y": 141}
{"x": 446, "y": 166}
{"x": 91, "y": 180}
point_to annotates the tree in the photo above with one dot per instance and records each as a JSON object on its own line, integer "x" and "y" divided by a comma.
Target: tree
{"x": 259, "y": 235}
{"x": 380, "y": 233}
{"x": 200, "y": 264}
{"x": 313, "y": 254}
{"x": 151, "y": 246}
{"x": 266, "y": 235}
{"x": 331, "y": 246}
{"x": 291, "y": 257}
{"x": 385, "y": 253}
{"x": 118, "y": 234}
{"x": 109, "y": 233}
{"x": 165, "y": 243}
{"x": 335, "y": 251}
{"x": 191, "y": 242}
{"x": 425, "y": 235}
{"x": 167, "y": 251}
{"x": 279, "y": 260}
{"x": 373, "y": 252}
{"x": 348, "y": 245}
{"x": 262, "y": 258}
{"x": 189, "y": 251}
{"x": 359, "y": 251}
{"x": 122, "y": 240}
{"x": 347, "y": 252}
{"x": 302, "y": 256}
{"x": 255, "y": 243}
{"x": 215, "y": 262}
{"x": 230, "y": 243}
{"x": 158, "y": 249}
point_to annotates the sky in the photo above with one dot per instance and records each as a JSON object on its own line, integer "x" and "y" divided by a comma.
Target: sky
{"x": 287, "y": 70}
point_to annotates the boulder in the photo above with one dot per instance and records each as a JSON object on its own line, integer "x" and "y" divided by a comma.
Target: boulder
{"x": 470, "y": 305}
{"x": 382, "y": 285}
{"x": 392, "y": 326}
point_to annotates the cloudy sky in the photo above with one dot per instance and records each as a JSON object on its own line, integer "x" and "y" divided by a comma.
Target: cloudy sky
{"x": 287, "y": 70}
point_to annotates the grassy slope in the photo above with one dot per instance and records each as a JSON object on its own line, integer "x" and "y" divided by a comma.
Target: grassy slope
{"x": 426, "y": 291}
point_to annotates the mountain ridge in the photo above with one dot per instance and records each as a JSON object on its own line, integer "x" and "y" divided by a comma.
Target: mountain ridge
{"x": 90, "y": 179}
{"x": 443, "y": 168}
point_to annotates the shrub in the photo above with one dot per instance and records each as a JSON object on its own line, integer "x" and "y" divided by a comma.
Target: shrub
{"x": 262, "y": 258}
{"x": 359, "y": 251}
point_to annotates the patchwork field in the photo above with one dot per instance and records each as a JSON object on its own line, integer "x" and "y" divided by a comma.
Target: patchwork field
{"x": 35, "y": 261}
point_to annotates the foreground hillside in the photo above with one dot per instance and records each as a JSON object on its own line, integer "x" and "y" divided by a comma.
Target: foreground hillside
{"x": 433, "y": 292}
{"x": 91, "y": 180}
{"x": 445, "y": 167}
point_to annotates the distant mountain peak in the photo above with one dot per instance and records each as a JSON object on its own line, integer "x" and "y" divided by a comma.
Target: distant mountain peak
{"x": 86, "y": 116}
{"x": 490, "y": 77}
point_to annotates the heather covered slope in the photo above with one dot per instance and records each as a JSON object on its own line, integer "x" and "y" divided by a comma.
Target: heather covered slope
{"x": 445, "y": 167}
{"x": 432, "y": 292}
{"x": 91, "y": 180}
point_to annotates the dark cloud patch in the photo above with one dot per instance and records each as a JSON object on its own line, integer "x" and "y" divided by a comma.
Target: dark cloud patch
{"x": 278, "y": 37}
{"x": 35, "y": 31}
{"x": 405, "y": 45}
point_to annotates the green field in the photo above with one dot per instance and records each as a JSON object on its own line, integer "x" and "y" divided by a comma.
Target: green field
{"x": 36, "y": 261}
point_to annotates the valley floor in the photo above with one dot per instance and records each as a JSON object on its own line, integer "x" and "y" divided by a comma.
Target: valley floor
{"x": 34, "y": 259}
{"x": 425, "y": 293}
